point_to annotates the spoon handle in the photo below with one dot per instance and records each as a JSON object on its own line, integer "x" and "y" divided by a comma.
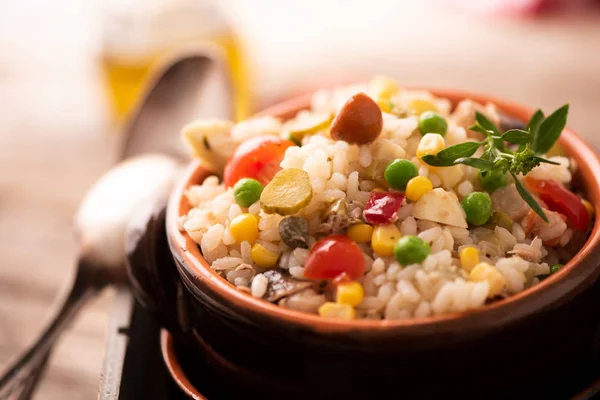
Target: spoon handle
{"x": 23, "y": 370}
{"x": 25, "y": 387}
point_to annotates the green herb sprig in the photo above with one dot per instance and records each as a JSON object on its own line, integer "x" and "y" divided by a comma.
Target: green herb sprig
{"x": 538, "y": 137}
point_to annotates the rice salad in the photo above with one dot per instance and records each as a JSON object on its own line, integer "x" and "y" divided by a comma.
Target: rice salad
{"x": 356, "y": 208}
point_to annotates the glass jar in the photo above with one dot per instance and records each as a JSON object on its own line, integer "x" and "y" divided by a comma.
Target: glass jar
{"x": 137, "y": 33}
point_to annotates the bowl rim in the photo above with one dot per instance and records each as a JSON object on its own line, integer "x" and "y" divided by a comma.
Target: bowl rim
{"x": 571, "y": 279}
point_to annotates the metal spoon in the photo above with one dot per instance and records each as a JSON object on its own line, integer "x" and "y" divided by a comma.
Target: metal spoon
{"x": 182, "y": 87}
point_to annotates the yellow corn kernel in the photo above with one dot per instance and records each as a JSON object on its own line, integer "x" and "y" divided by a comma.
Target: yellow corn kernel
{"x": 417, "y": 187}
{"x": 339, "y": 311}
{"x": 244, "y": 227}
{"x": 469, "y": 258}
{"x": 378, "y": 190}
{"x": 263, "y": 257}
{"x": 350, "y": 293}
{"x": 419, "y": 106}
{"x": 384, "y": 239}
{"x": 588, "y": 206}
{"x": 384, "y": 104}
{"x": 431, "y": 143}
{"x": 485, "y": 272}
{"x": 383, "y": 86}
{"x": 360, "y": 233}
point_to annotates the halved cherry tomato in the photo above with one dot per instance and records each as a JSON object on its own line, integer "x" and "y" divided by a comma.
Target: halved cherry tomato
{"x": 256, "y": 158}
{"x": 558, "y": 198}
{"x": 382, "y": 207}
{"x": 332, "y": 256}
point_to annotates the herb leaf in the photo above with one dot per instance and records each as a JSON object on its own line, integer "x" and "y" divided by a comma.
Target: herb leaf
{"x": 479, "y": 163}
{"x": 517, "y": 136}
{"x": 478, "y": 128}
{"x": 446, "y": 157}
{"x": 486, "y": 123}
{"x": 533, "y": 125}
{"x": 549, "y": 130}
{"x": 543, "y": 160}
{"x": 525, "y": 195}
{"x": 434, "y": 161}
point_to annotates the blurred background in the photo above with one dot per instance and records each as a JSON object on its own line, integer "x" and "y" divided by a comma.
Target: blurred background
{"x": 71, "y": 71}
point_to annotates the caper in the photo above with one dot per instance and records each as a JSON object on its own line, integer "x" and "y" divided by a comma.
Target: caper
{"x": 501, "y": 219}
{"x": 294, "y": 231}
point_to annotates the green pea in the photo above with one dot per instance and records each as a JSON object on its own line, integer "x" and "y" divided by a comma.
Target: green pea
{"x": 399, "y": 172}
{"x": 492, "y": 180}
{"x": 411, "y": 250}
{"x": 432, "y": 122}
{"x": 247, "y": 191}
{"x": 553, "y": 269}
{"x": 478, "y": 207}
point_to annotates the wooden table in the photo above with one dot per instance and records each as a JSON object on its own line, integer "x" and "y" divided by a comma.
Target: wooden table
{"x": 55, "y": 135}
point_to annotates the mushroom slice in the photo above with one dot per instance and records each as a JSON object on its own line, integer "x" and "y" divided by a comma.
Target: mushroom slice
{"x": 281, "y": 284}
{"x": 440, "y": 206}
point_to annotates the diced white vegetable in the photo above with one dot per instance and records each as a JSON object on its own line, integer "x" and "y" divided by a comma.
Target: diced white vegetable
{"x": 440, "y": 206}
{"x": 211, "y": 141}
{"x": 450, "y": 176}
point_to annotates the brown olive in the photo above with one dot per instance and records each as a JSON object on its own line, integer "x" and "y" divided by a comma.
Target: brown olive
{"x": 294, "y": 231}
{"x": 359, "y": 121}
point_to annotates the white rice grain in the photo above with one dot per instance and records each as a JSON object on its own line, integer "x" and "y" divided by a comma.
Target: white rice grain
{"x": 254, "y": 208}
{"x": 228, "y": 238}
{"x": 423, "y": 310}
{"x": 386, "y": 291}
{"x": 246, "y": 252}
{"x": 518, "y": 232}
{"x": 392, "y": 271}
{"x": 479, "y": 294}
{"x": 234, "y": 211}
{"x": 297, "y": 272}
{"x": 352, "y": 186}
{"x": 409, "y": 226}
{"x": 378, "y": 266}
{"x": 365, "y": 158}
{"x": 408, "y": 272}
{"x": 405, "y": 211}
{"x": 212, "y": 238}
{"x": 379, "y": 279}
{"x": 458, "y": 233}
{"x": 226, "y": 263}
{"x": 430, "y": 235}
{"x": 241, "y": 282}
{"x": 465, "y": 188}
{"x": 443, "y": 299}
{"x": 259, "y": 285}
{"x": 409, "y": 292}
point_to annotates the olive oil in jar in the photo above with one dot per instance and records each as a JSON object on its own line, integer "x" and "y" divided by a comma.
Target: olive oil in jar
{"x": 136, "y": 37}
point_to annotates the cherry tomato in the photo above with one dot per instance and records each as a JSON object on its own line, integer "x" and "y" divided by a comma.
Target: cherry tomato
{"x": 382, "y": 207}
{"x": 558, "y": 198}
{"x": 256, "y": 158}
{"x": 332, "y": 256}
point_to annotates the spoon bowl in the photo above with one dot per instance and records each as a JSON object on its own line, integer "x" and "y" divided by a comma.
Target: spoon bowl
{"x": 181, "y": 86}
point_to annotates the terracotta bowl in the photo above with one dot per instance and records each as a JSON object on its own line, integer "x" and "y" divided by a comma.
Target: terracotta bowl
{"x": 266, "y": 349}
